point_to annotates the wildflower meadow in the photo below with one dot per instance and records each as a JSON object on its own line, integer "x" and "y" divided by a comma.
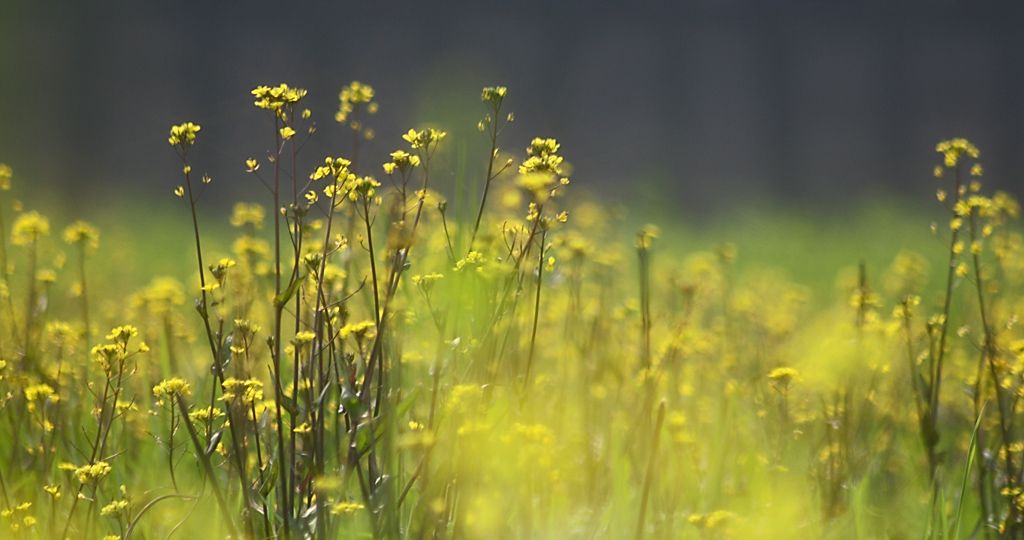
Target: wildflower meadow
{"x": 364, "y": 350}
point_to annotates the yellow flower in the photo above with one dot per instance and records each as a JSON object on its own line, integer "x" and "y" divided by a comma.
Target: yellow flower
{"x": 183, "y": 135}
{"x": 423, "y": 138}
{"x": 5, "y": 177}
{"x": 83, "y": 232}
{"x": 303, "y": 338}
{"x": 277, "y": 97}
{"x": 122, "y": 334}
{"x": 494, "y": 94}
{"x": 359, "y": 330}
{"x": 953, "y": 149}
{"x": 247, "y": 214}
{"x": 38, "y": 392}
{"x": 115, "y": 508}
{"x": 28, "y": 227}
{"x": 783, "y": 375}
{"x": 96, "y": 471}
{"x": 346, "y": 508}
{"x": 354, "y": 94}
{"x": 172, "y": 387}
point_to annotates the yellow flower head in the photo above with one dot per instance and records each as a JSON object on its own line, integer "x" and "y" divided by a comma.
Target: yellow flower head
{"x": 953, "y": 149}
{"x": 247, "y": 214}
{"x": 172, "y": 387}
{"x": 183, "y": 135}
{"x": 83, "y": 232}
{"x": 494, "y": 94}
{"x": 542, "y": 157}
{"x": 5, "y": 177}
{"x": 28, "y": 227}
{"x": 94, "y": 472}
{"x": 277, "y": 97}
{"x": 783, "y": 375}
{"x": 424, "y": 138}
{"x": 115, "y": 508}
{"x": 355, "y": 94}
{"x": 336, "y": 167}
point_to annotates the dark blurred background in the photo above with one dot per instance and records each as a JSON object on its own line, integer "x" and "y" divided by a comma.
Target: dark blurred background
{"x": 693, "y": 104}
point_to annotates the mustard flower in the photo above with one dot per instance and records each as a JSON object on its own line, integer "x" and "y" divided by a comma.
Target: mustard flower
{"x": 84, "y": 233}
{"x": 303, "y": 338}
{"x": 277, "y": 97}
{"x": 94, "y": 472}
{"x": 346, "y": 508}
{"x": 783, "y": 375}
{"x": 205, "y": 415}
{"x": 5, "y": 177}
{"x": 424, "y": 138}
{"x": 39, "y": 392}
{"x": 28, "y": 227}
{"x": 336, "y": 167}
{"x": 183, "y": 135}
{"x": 494, "y": 94}
{"x": 953, "y": 149}
{"x": 251, "y": 390}
{"x": 360, "y": 330}
{"x": 172, "y": 387}
{"x": 354, "y": 94}
{"x": 115, "y": 508}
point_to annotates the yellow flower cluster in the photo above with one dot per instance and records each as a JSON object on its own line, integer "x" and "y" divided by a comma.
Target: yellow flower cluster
{"x": 40, "y": 392}
{"x": 122, "y": 334}
{"x": 354, "y": 188}
{"x": 402, "y": 161}
{"x": 360, "y": 330}
{"x": 542, "y": 157}
{"x": 115, "y": 508}
{"x": 336, "y": 167}
{"x": 5, "y": 177}
{"x": 249, "y": 390}
{"x": 712, "y": 520}
{"x": 205, "y": 415}
{"x": 424, "y": 138}
{"x": 541, "y": 173}
{"x": 302, "y": 338}
{"x": 172, "y": 387}
{"x": 94, "y": 472}
{"x": 184, "y": 134}
{"x": 277, "y": 97}
{"x": 84, "y": 233}
{"x": 29, "y": 227}
{"x": 15, "y": 525}
{"x": 346, "y": 508}
{"x": 494, "y": 94}
{"x": 352, "y": 95}
{"x": 783, "y": 376}
{"x": 953, "y": 149}
{"x": 246, "y": 213}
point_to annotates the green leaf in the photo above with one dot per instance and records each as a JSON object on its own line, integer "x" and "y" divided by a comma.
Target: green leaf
{"x": 288, "y": 293}
{"x": 972, "y": 450}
